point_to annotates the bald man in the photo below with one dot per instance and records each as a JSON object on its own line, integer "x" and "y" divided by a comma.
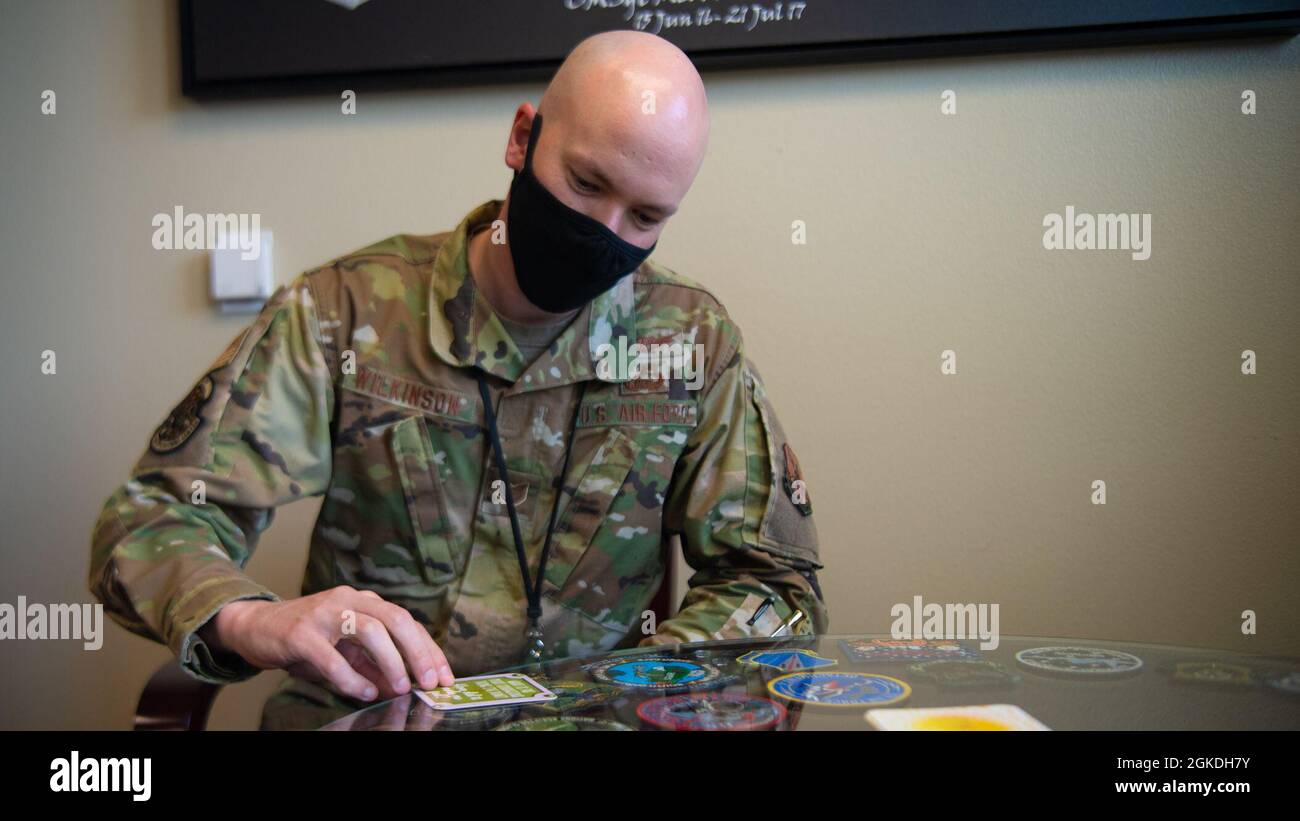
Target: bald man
{"x": 510, "y": 423}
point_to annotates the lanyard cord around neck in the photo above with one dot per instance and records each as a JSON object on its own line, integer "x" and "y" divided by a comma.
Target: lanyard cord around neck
{"x": 533, "y": 590}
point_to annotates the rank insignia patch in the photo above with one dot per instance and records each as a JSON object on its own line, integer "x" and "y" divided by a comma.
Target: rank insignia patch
{"x": 181, "y": 423}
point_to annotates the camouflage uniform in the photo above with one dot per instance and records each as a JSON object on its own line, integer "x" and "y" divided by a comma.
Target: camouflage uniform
{"x": 357, "y": 381}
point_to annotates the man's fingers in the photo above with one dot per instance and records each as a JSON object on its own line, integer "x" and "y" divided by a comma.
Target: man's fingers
{"x": 305, "y": 670}
{"x": 336, "y": 670}
{"x": 423, "y": 655}
{"x": 363, "y": 664}
{"x": 373, "y": 635}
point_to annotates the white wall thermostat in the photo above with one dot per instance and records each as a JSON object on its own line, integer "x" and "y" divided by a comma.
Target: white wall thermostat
{"x": 241, "y": 275}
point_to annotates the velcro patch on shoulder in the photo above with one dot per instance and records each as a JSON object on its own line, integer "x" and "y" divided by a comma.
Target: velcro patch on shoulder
{"x": 184, "y": 419}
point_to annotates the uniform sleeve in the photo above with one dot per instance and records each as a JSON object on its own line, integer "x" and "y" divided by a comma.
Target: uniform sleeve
{"x": 169, "y": 548}
{"x": 741, "y": 506}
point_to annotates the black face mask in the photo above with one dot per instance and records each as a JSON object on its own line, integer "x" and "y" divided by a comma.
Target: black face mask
{"x": 563, "y": 258}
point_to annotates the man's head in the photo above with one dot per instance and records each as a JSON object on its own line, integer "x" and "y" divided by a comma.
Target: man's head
{"x": 625, "y": 131}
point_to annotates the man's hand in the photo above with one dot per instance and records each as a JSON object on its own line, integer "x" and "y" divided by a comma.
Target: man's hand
{"x": 306, "y": 637}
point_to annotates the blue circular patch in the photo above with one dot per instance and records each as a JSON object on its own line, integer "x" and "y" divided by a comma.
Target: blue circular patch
{"x": 840, "y": 689}
{"x": 655, "y": 673}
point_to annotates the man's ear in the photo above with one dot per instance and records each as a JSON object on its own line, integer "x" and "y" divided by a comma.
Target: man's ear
{"x": 514, "y": 148}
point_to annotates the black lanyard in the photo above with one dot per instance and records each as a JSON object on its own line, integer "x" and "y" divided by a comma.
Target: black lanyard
{"x": 532, "y": 589}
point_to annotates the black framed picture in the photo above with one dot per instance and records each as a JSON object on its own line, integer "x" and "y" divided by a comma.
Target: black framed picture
{"x": 251, "y": 47}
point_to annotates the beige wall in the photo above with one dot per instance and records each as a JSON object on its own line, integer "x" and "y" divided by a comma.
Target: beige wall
{"x": 924, "y": 234}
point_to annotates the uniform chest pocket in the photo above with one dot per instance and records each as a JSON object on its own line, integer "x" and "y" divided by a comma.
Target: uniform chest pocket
{"x": 426, "y": 503}
{"x": 606, "y": 552}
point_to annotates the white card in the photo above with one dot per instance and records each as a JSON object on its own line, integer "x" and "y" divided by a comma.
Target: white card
{"x": 486, "y": 691}
{"x": 976, "y": 717}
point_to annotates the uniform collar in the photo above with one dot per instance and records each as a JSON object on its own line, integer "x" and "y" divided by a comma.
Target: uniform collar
{"x": 464, "y": 331}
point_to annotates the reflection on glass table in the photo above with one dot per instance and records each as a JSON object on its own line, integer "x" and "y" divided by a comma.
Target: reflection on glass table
{"x": 866, "y": 682}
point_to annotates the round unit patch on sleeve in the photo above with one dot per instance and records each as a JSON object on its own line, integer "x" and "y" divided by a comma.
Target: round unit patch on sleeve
{"x": 184, "y": 419}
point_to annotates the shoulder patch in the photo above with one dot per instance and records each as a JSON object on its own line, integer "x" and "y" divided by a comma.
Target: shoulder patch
{"x": 184, "y": 419}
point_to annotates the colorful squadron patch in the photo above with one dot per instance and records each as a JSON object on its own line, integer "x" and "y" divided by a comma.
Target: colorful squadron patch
{"x": 1079, "y": 662}
{"x": 866, "y": 651}
{"x": 840, "y": 689}
{"x": 788, "y": 660}
{"x": 965, "y": 674}
{"x": 711, "y": 711}
{"x": 184, "y": 419}
{"x": 656, "y": 673}
{"x": 565, "y": 723}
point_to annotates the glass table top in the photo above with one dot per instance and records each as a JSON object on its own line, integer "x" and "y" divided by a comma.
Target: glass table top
{"x": 866, "y": 682}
